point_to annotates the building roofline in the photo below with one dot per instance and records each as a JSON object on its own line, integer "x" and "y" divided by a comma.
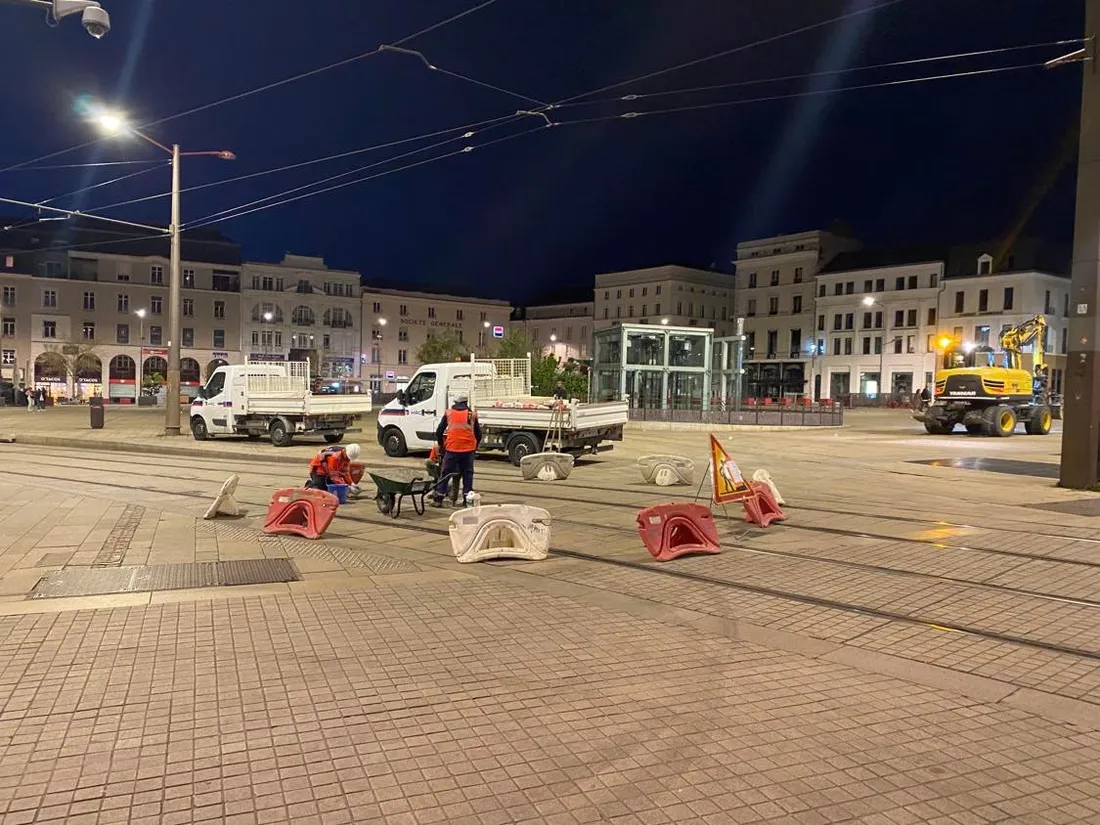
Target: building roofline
{"x": 432, "y": 296}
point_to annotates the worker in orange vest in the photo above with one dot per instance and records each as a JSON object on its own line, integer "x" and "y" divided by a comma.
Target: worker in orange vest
{"x": 332, "y": 466}
{"x": 459, "y": 433}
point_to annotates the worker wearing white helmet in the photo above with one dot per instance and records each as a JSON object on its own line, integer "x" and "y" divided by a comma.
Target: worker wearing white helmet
{"x": 333, "y": 466}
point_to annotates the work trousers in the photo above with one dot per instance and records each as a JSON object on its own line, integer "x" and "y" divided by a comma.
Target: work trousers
{"x": 456, "y": 463}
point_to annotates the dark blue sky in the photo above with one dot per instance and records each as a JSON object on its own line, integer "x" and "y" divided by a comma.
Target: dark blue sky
{"x": 938, "y": 161}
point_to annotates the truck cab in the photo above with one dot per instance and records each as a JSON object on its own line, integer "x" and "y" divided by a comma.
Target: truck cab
{"x": 409, "y": 421}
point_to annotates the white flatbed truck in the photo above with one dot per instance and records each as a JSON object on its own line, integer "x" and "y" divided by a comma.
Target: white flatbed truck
{"x": 272, "y": 399}
{"x": 511, "y": 418}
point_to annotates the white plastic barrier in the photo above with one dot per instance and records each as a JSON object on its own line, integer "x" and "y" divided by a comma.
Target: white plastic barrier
{"x": 500, "y": 531}
{"x": 224, "y": 503}
{"x": 546, "y": 466}
{"x": 666, "y": 470}
{"x": 764, "y": 477}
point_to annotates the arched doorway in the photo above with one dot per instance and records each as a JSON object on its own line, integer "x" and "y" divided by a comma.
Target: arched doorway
{"x": 50, "y": 374}
{"x": 89, "y": 376}
{"x": 154, "y": 373}
{"x": 213, "y": 365}
{"x": 122, "y": 380}
{"x": 189, "y": 377}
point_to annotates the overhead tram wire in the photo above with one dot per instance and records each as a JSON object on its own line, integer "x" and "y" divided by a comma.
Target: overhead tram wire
{"x": 469, "y": 128}
{"x": 89, "y": 244}
{"x": 827, "y": 73}
{"x": 339, "y": 175}
{"x": 70, "y": 213}
{"x": 278, "y": 83}
{"x": 160, "y": 165}
{"x": 55, "y": 167}
{"x": 203, "y": 222}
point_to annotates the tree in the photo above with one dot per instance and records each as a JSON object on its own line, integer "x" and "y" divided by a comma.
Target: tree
{"x": 442, "y": 348}
{"x": 546, "y": 369}
{"x": 69, "y": 359}
{"x": 517, "y": 344}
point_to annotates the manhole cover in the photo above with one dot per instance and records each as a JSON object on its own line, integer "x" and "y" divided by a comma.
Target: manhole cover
{"x": 74, "y": 581}
{"x": 1077, "y": 507}
{"x": 1005, "y": 466}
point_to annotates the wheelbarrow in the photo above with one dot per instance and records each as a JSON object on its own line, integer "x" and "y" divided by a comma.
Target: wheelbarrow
{"x": 435, "y": 468}
{"x": 392, "y": 491}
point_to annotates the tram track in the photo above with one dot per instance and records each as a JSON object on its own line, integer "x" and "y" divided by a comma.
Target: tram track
{"x": 913, "y": 618}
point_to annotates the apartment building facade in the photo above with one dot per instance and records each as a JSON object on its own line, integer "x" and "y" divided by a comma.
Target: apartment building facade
{"x": 670, "y": 295}
{"x": 397, "y": 323}
{"x": 563, "y": 330}
{"x": 77, "y": 321}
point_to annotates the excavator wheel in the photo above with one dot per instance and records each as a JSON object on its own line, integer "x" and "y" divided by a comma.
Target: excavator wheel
{"x": 975, "y": 429}
{"x": 1040, "y": 421}
{"x": 938, "y": 428}
{"x": 1003, "y": 423}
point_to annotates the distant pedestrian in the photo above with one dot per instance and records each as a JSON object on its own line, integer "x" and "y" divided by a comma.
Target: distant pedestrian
{"x": 560, "y": 392}
{"x": 40, "y": 399}
{"x": 29, "y": 395}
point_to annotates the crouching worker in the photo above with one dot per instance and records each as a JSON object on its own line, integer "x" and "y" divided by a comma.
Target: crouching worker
{"x": 459, "y": 433}
{"x": 332, "y": 466}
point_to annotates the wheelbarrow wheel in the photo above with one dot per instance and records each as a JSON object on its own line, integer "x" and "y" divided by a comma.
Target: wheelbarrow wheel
{"x": 385, "y": 502}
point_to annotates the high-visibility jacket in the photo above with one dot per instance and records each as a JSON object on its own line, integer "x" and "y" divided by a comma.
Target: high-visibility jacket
{"x": 332, "y": 463}
{"x": 459, "y": 436}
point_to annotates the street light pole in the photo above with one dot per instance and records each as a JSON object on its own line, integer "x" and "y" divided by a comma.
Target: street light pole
{"x": 172, "y": 416}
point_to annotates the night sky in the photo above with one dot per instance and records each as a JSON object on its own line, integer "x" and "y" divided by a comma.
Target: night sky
{"x": 933, "y": 162}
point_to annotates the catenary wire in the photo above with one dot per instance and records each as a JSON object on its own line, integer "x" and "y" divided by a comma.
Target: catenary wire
{"x": 241, "y": 95}
{"x": 465, "y": 150}
{"x": 793, "y": 95}
{"x": 54, "y": 167}
{"x": 291, "y": 166}
{"x": 331, "y": 178}
{"x": 91, "y": 244}
{"x": 74, "y": 214}
{"x": 161, "y": 165}
{"x": 809, "y": 75}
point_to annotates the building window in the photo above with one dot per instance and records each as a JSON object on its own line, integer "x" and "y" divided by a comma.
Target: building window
{"x": 838, "y": 321}
{"x": 458, "y": 315}
{"x": 983, "y": 300}
{"x": 775, "y": 277}
{"x": 7, "y": 357}
{"x": 838, "y": 288}
{"x": 899, "y": 317}
{"x": 402, "y": 356}
{"x": 187, "y": 337}
{"x": 49, "y": 298}
{"x": 9, "y": 261}
{"x": 867, "y": 345}
{"x": 376, "y": 308}
{"x": 981, "y": 335}
{"x": 658, "y": 290}
{"x": 49, "y": 329}
{"x": 932, "y": 317}
{"x": 156, "y": 275}
{"x": 89, "y": 302}
{"x": 189, "y": 279}
{"x": 796, "y": 304}
{"x": 752, "y": 280}
{"x": 820, "y": 323}
{"x": 821, "y": 291}
{"x": 123, "y": 303}
{"x": 1010, "y": 297}
{"x": 326, "y": 342}
{"x": 798, "y": 274}
{"x": 87, "y": 331}
{"x": 219, "y": 309}
{"x": 899, "y": 283}
{"x": 880, "y": 285}
{"x": 867, "y": 320}
{"x": 630, "y": 311}
{"x": 911, "y": 318}
{"x": 847, "y": 346}
{"x": 402, "y": 334}
{"x": 156, "y": 305}
{"x": 122, "y": 333}
{"x": 403, "y": 310}
{"x": 850, "y": 320}
{"x": 930, "y": 343}
{"x": 867, "y": 285}
{"x": 897, "y": 346}
{"x": 912, "y": 281}
{"x": 985, "y": 265}
{"x": 878, "y": 345}
{"x": 219, "y": 339}
{"x": 1065, "y": 305}
{"x": 644, "y": 313}
{"x": 656, "y": 311}
{"x": 773, "y": 306}
{"x": 255, "y": 337}
{"x": 605, "y": 310}
{"x": 910, "y": 344}
{"x": 1048, "y": 308}
{"x": 878, "y": 320}
{"x": 849, "y": 288}
{"x": 960, "y": 301}
{"x": 7, "y": 327}
{"x": 267, "y": 283}
{"x": 188, "y": 307}
{"x": 123, "y": 275}
{"x": 933, "y": 280}
{"x": 836, "y": 346}
{"x": 631, "y": 295}
{"x": 156, "y": 336}
{"x": 7, "y": 298}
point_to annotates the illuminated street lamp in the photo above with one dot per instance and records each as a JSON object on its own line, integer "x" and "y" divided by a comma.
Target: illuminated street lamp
{"x": 378, "y": 368}
{"x": 114, "y": 123}
{"x": 140, "y": 313}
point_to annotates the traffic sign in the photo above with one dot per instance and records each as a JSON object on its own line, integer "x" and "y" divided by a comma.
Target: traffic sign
{"x": 498, "y": 332}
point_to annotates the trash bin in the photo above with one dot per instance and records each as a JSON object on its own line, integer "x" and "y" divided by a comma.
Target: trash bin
{"x": 95, "y": 410}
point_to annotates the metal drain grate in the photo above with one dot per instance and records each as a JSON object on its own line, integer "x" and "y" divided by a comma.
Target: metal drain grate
{"x": 78, "y": 581}
{"x": 1077, "y": 507}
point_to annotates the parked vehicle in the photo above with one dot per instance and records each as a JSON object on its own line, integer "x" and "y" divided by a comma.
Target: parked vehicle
{"x": 511, "y": 418}
{"x": 274, "y": 400}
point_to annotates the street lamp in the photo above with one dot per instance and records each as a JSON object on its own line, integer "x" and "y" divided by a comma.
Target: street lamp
{"x": 115, "y": 124}
{"x": 868, "y": 301}
{"x": 264, "y": 334}
{"x": 378, "y": 367}
{"x": 140, "y": 313}
{"x": 664, "y": 321}
{"x": 94, "y": 17}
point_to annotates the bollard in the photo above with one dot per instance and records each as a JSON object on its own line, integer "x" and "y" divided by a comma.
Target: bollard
{"x": 95, "y": 410}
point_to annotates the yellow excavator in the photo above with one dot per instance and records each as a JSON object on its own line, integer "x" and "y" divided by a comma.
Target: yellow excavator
{"x": 989, "y": 392}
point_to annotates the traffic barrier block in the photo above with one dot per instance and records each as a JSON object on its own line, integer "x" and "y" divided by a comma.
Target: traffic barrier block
{"x": 500, "y": 531}
{"x": 224, "y": 503}
{"x": 761, "y": 508}
{"x": 672, "y": 530}
{"x": 546, "y": 466}
{"x": 764, "y": 477}
{"x": 300, "y": 511}
{"x": 666, "y": 470}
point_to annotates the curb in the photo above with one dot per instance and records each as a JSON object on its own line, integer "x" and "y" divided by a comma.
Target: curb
{"x": 692, "y": 427}
{"x": 154, "y": 449}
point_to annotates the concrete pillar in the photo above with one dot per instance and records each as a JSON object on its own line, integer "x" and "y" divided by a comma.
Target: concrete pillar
{"x": 1081, "y": 432}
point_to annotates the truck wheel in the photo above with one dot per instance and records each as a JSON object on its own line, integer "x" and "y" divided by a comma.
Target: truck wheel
{"x": 334, "y": 438}
{"x": 1004, "y": 421}
{"x": 1040, "y": 421}
{"x": 393, "y": 443}
{"x": 520, "y": 445}
{"x": 198, "y": 429}
{"x": 280, "y": 436}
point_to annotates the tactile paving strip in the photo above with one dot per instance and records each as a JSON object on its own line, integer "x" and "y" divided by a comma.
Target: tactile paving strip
{"x": 77, "y": 581}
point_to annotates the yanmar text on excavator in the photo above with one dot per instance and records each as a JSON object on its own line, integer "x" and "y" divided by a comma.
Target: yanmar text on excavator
{"x": 990, "y": 392}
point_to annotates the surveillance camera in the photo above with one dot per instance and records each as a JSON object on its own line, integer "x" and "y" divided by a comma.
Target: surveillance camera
{"x": 96, "y": 21}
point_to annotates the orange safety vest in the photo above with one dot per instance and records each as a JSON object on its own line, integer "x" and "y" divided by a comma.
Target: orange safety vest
{"x": 459, "y": 435}
{"x": 332, "y": 463}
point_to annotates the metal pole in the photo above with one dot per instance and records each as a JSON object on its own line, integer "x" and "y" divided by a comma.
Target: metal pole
{"x": 172, "y": 407}
{"x": 740, "y": 361}
{"x": 881, "y": 368}
{"x": 1081, "y": 411}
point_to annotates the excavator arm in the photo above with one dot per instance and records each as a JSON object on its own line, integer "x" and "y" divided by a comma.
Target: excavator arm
{"x": 1014, "y": 339}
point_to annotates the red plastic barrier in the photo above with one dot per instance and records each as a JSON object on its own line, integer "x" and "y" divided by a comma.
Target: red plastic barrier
{"x": 357, "y": 470}
{"x": 301, "y": 512}
{"x": 761, "y": 508}
{"x": 672, "y": 530}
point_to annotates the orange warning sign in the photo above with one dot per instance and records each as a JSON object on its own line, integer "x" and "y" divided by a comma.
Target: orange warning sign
{"x": 729, "y": 484}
